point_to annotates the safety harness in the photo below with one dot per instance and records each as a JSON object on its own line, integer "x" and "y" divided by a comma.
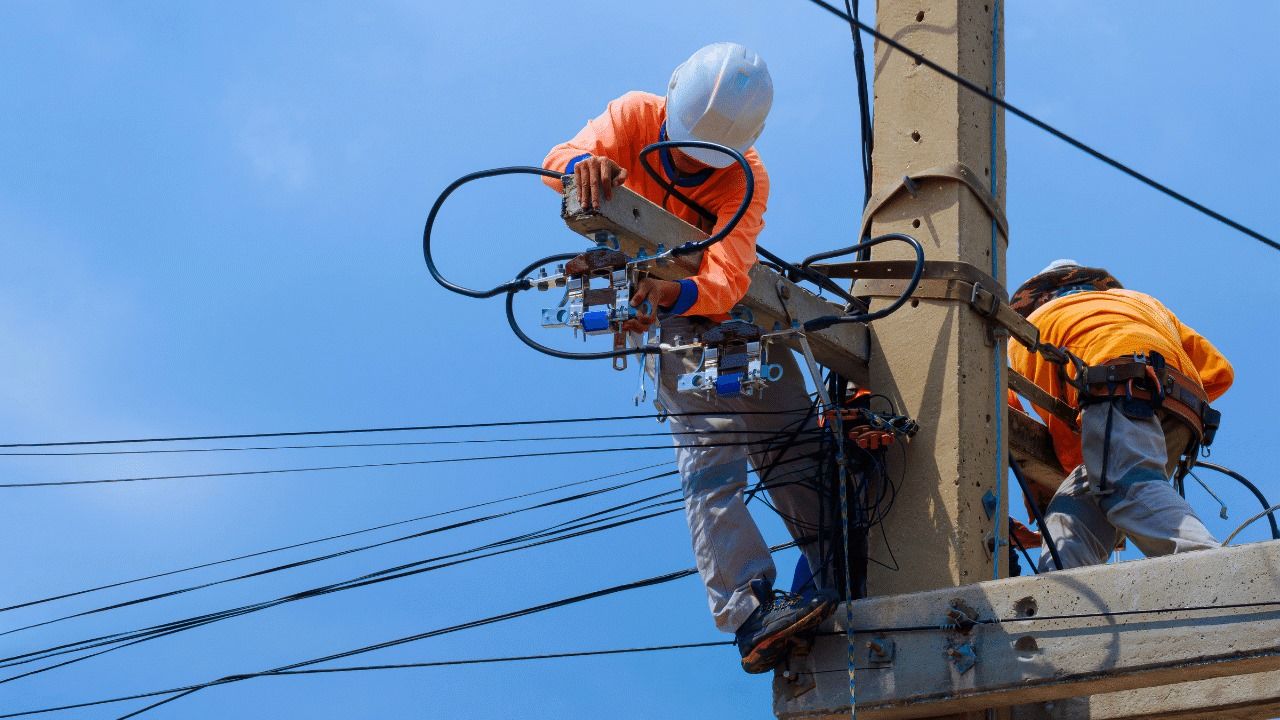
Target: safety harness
{"x": 1149, "y": 378}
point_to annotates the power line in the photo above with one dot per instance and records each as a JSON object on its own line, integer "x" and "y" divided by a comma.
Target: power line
{"x": 408, "y": 443}
{"x": 395, "y": 666}
{"x": 304, "y": 669}
{"x": 402, "y": 428}
{"x": 327, "y": 538}
{"x": 1078, "y": 144}
{"x": 340, "y": 553}
{"x": 543, "y": 537}
{"x": 363, "y": 466}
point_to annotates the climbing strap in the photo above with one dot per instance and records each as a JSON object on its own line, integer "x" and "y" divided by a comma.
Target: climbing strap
{"x": 945, "y": 280}
{"x": 957, "y": 172}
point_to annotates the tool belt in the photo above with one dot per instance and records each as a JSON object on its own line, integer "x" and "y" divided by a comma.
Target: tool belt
{"x": 1149, "y": 378}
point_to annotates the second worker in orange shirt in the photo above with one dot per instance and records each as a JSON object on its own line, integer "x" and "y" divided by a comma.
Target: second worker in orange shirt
{"x": 1131, "y": 439}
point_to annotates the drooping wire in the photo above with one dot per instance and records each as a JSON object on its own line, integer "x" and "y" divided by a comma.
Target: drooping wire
{"x": 1035, "y": 511}
{"x": 295, "y": 564}
{"x": 399, "y": 666}
{"x": 578, "y": 527}
{"x": 820, "y": 323}
{"x": 543, "y": 607}
{"x": 1271, "y": 518}
{"x": 864, "y": 107}
{"x": 394, "y": 429}
{"x": 1079, "y": 145}
{"x": 347, "y": 446}
{"x": 327, "y": 538}
{"x": 358, "y": 466}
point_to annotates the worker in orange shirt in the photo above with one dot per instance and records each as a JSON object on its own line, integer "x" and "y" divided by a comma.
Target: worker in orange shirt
{"x": 1147, "y": 381}
{"x": 722, "y": 94}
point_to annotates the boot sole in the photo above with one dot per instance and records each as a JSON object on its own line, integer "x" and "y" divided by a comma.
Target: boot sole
{"x": 769, "y": 651}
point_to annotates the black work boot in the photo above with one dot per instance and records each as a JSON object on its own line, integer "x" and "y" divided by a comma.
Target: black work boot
{"x": 763, "y": 640}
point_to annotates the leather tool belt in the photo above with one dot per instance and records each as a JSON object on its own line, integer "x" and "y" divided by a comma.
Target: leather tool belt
{"x": 1148, "y": 377}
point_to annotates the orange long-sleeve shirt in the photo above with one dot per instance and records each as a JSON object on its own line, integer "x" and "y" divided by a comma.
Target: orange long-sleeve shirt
{"x": 1105, "y": 325}
{"x": 626, "y": 126}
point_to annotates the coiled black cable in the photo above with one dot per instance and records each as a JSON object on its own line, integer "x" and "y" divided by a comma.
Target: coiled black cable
{"x": 562, "y": 354}
{"x": 791, "y": 271}
{"x": 748, "y": 193}
{"x": 514, "y": 285}
{"x": 865, "y": 317}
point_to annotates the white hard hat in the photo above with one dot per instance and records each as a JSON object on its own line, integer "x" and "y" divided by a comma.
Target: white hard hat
{"x": 721, "y": 94}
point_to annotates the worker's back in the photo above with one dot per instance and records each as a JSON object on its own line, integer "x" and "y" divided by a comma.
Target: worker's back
{"x": 1098, "y": 326}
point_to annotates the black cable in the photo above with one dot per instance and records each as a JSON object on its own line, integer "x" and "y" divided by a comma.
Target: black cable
{"x": 361, "y": 466}
{"x": 578, "y": 527}
{"x": 749, "y": 177}
{"x": 340, "y": 553}
{"x": 556, "y": 533}
{"x": 119, "y": 641}
{"x": 1035, "y": 511}
{"x": 402, "y": 428}
{"x": 405, "y": 443}
{"x": 295, "y": 669}
{"x": 338, "y": 536}
{"x": 783, "y": 267}
{"x": 1266, "y": 504}
{"x": 865, "y": 317}
{"x": 636, "y": 585}
{"x": 864, "y": 112}
{"x": 553, "y": 352}
{"x": 1097, "y": 154}
{"x": 1035, "y": 570}
{"x": 514, "y": 285}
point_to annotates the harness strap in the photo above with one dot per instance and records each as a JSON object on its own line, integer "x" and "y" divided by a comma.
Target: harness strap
{"x": 1148, "y": 378}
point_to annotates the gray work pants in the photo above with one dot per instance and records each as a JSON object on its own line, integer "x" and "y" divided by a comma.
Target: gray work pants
{"x": 712, "y": 453}
{"x": 1085, "y": 520}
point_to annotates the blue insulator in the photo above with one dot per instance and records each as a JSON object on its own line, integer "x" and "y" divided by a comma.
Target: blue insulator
{"x": 595, "y": 321}
{"x": 728, "y": 385}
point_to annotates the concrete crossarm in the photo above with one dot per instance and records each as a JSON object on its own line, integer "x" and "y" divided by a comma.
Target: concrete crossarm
{"x": 1238, "y": 697}
{"x": 774, "y": 300}
{"x": 1045, "y": 657}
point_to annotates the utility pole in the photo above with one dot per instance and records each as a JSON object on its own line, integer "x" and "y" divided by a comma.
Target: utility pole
{"x": 934, "y": 358}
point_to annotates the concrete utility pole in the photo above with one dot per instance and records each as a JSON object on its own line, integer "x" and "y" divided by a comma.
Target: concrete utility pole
{"x": 936, "y": 358}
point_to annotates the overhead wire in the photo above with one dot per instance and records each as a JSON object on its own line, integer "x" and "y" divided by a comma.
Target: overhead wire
{"x": 305, "y": 666}
{"x": 357, "y": 466}
{"x": 1257, "y": 493}
{"x": 403, "y": 443}
{"x": 395, "y": 428}
{"x": 555, "y": 533}
{"x": 258, "y": 553}
{"x": 295, "y": 564}
{"x": 1070, "y": 140}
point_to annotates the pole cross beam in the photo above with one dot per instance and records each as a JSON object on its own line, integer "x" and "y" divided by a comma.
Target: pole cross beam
{"x": 774, "y": 301}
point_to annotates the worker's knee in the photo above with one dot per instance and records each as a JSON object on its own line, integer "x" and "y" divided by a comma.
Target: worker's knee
{"x": 728, "y": 477}
{"x": 1124, "y": 488}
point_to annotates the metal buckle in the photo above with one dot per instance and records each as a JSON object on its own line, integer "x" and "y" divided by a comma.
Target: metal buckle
{"x": 973, "y": 301}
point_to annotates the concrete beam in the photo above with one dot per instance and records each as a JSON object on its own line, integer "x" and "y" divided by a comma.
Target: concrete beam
{"x": 1051, "y": 644}
{"x": 774, "y": 300}
{"x": 1242, "y": 697}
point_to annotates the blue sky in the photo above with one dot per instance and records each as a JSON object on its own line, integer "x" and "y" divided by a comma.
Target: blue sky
{"x": 210, "y": 217}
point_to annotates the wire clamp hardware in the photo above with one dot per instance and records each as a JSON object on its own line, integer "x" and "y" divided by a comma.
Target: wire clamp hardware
{"x": 733, "y": 363}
